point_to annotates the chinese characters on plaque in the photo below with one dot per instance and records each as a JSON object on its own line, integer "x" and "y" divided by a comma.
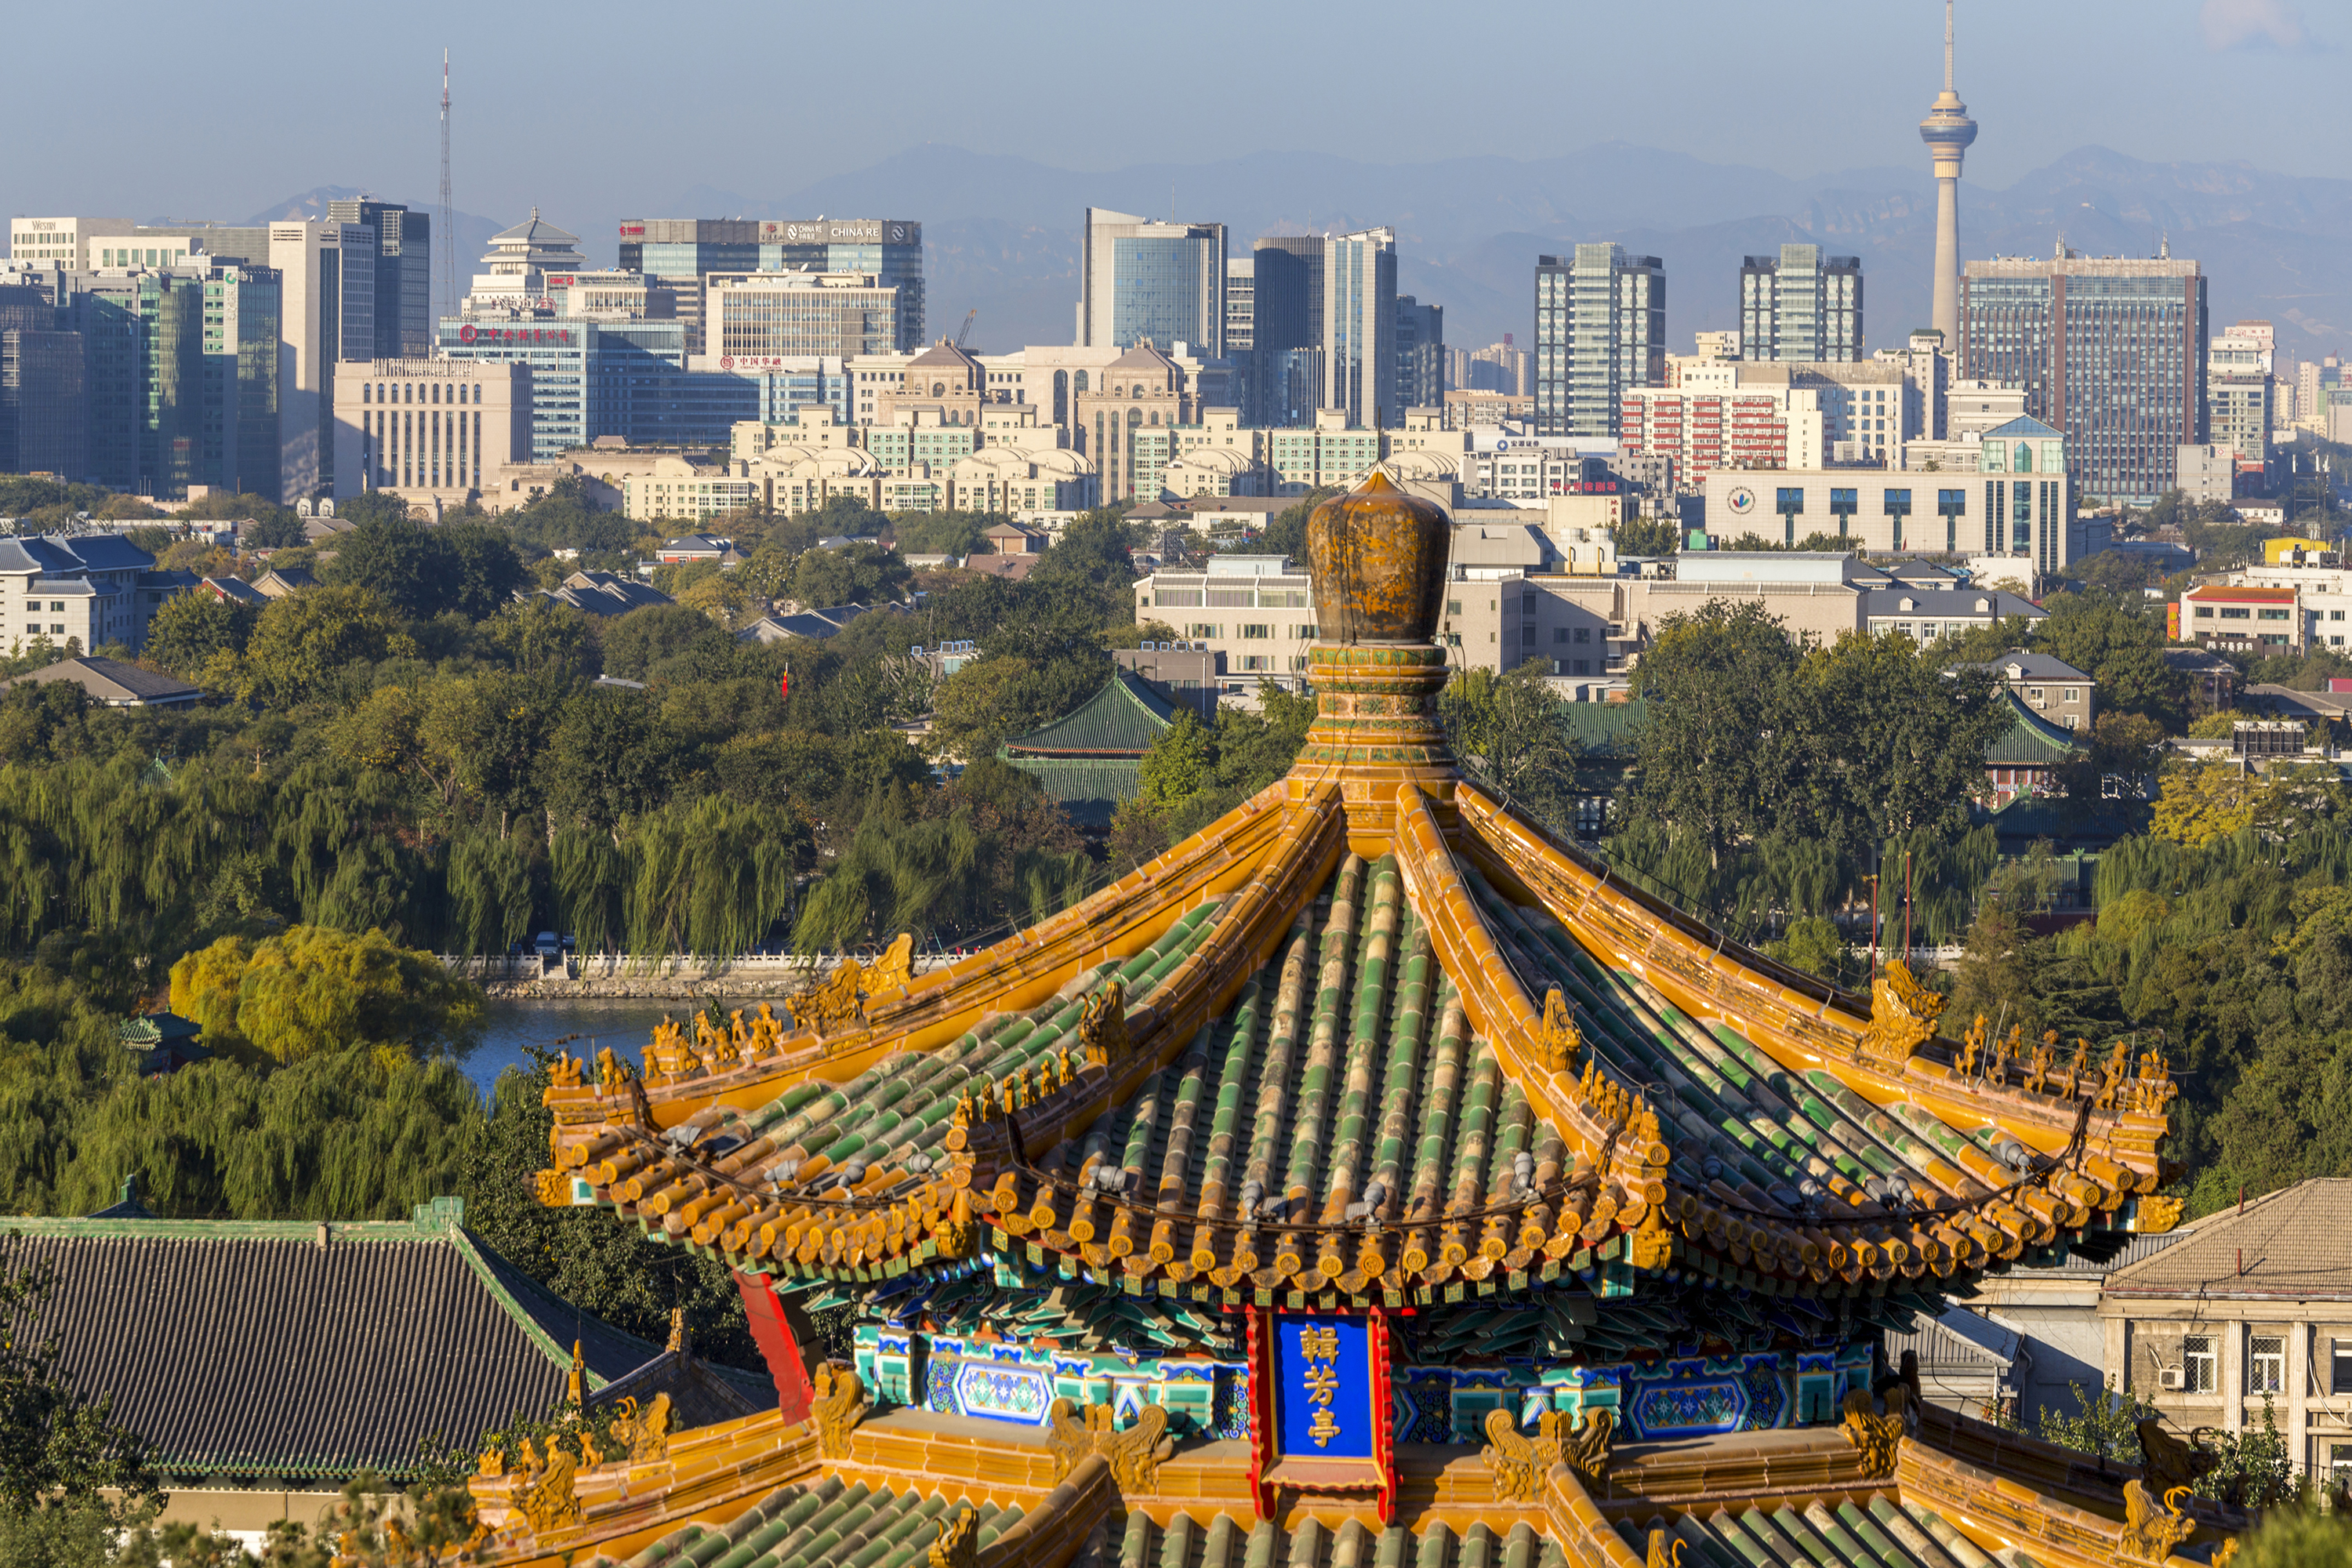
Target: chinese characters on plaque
{"x": 1327, "y": 1387}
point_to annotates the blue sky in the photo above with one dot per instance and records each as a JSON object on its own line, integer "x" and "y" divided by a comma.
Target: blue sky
{"x": 145, "y": 108}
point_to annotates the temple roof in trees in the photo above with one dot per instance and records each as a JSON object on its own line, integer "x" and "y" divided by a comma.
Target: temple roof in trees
{"x": 1120, "y": 721}
{"x": 2031, "y": 740}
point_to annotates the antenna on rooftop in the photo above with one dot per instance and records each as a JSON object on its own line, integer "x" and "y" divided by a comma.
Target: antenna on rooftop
{"x": 448, "y": 213}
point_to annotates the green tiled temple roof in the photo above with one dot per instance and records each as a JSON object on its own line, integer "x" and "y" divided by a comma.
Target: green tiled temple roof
{"x": 1883, "y": 1534}
{"x": 1138, "y": 1542}
{"x": 1090, "y": 789}
{"x": 2030, "y": 740}
{"x": 823, "y": 1524}
{"x": 1122, "y": 719}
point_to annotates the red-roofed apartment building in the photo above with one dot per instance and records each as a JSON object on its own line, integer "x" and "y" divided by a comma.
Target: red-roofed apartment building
{"x": 2250, "y": 620}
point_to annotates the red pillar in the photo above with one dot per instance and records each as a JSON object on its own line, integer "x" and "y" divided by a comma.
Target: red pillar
{"x": 779, "y": 1328}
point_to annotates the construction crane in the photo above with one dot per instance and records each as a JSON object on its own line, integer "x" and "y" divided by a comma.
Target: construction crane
{"x": 969, "y": 317}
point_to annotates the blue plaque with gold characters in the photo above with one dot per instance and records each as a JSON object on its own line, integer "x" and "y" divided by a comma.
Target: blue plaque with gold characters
{"x": 1326, "y": 1385}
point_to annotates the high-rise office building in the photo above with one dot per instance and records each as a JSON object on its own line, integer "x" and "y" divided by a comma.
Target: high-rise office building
{"x": 2240, "y": 394}
{"x": 1163, "y": 282}
{"x": 1360, "y": 322}
{"x": 327, "y": 273}
{"x": 181, "y": 374}
{"x": 1420, "y": 354}
{"x": 1285, "y": 369}
{"x": 43, "y": 405}
{"x": 403, "y": 277}
{"x": 1600, "y": 328}
{"x": 2110, "y": 351}
{"x": 1800, "y": 305}
{"x": 684, "y": 252}
{"x": 1948, "y": 131}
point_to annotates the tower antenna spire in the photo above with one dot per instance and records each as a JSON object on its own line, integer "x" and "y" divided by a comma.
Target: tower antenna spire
{"x": 1948, "y": 46}
{"x": 448, "y": 213}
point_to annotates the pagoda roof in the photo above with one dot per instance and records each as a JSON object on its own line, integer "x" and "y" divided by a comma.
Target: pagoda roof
{"x": 1121, "y": 720}
{"x": 1470, "y": 1056}
{"x": 1371, "y": 1044}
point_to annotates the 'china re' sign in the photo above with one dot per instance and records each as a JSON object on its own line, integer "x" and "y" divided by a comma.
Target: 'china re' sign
{"x": 1325, "y": 1371}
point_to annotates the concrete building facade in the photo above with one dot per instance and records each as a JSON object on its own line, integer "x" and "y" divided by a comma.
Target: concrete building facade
{"x": 433, "y": 431}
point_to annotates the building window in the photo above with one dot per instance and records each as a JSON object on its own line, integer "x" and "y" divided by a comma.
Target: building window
{"x": 2340, "y": 1368}
{"x": 1253, "y": 632}
{"x": 2197, "y": 1364}
{"x": 2266, "y": 1364}
{"x": 2074, "y": 694}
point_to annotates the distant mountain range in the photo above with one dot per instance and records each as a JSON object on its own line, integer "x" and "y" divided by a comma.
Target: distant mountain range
{"x": 1000, "y": 233}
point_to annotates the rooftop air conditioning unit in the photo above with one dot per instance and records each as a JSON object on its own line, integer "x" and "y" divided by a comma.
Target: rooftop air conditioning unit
{"x": 2168, "y": 1378}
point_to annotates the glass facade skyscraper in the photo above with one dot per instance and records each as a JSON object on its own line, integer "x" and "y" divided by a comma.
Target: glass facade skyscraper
{"x": 1600, "y": 327}
{"x": 1359, "y": 320}
{"x": 2111, "y": 353}
{"x": 1163, "y": 282}
{"x": 403, "y": 277}
{"x": 1800, "y": 305}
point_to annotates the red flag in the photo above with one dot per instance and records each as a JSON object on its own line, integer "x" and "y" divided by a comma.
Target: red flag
{"x": 785, "y": 685}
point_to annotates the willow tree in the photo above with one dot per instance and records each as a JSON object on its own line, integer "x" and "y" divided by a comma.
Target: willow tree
{"x": 490, "y": 884}
{"x": 711, "y": 877}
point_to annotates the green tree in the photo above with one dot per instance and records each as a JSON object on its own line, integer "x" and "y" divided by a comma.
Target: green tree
{"x": 2291, "y": 1538}
{"x": 277, "y": 529}
{"x": 853, "y": 574}
{"x": 314, "y": 989}
{"x": 199, "y": 633}
{"x": 642, "y": 641}
{"x": 1647, "y": 536}
{"x": 304, "y": 641}
{"x": 1512, "y": 734}
{"x": 1180, "y": 764}
{"x": 1720, "y": 750}
{"x": 2106, "y": 1424}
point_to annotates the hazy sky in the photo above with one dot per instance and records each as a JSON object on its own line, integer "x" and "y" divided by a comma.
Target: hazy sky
{"x": 146, "y": 108}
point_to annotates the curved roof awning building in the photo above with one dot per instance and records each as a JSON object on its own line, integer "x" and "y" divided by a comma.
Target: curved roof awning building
{"x": 1371, "y": 1178}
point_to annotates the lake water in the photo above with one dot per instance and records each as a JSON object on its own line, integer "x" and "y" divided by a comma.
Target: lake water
{"x": 510, "y": 1026}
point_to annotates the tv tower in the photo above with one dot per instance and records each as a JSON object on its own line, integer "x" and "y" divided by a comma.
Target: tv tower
{"x": 448, "y": 213}
{"x": 1948, "y": 131}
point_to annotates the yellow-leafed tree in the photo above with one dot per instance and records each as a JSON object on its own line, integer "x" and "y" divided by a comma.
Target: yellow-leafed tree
{"x": 314, "y": 988}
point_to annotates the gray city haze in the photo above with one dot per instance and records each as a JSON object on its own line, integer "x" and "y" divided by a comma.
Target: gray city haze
{"x": 1694, "y": 130}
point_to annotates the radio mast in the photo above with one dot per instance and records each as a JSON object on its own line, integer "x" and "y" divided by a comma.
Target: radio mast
{"x": 448, "y": 213}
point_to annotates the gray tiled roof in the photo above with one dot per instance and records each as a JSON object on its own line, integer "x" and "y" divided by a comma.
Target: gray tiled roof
{"x": 248, "y": 1348}
{"x": 2035, "y": 666}
{"x": 112, "y": 682}
{"x": 2295, "y": 1242}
